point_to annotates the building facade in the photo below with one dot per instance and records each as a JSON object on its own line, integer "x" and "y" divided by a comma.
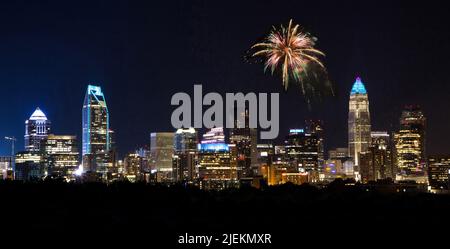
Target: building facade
{"x": 410, "y": 142}
{"x": 96, "y": 144}
{"x": 377, "y": 162}
{"x": 358, "y": 121}
{"x": 37, "y": 128}
{"x": 216, "y": 167}
{"x": 439, "y": 172}
{"x": 185, "y": 155}
{"x": 6, "y": 170}
{"x": 61, "y": 155}
{"x": 302, "y": 152}
{"x": 161, "y": 152}
{"x": 29, "y": 165}
{"x": 245, "y": 139}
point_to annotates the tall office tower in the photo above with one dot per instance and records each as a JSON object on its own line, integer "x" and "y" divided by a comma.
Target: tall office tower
{"x": 316, "y": 127}
{"x": 132, "y": 165}
{"x": 382, "y": 146}
{"x": 96, "y": 133}
{"x": 185, "y": 155}
{"x": 161, "y": 152}
{"x": 302, "y": 150}
{"x": 245, "y": 139}
{"x": 37, "y": 128}
{"x": 410, "y": 142}
{"x": 216, "y": 169}
{"x": 61, "y": 155}
{"x": 358, "y": 121}
{"x": 376, "y": 163}
{"x": 439, "y": 172}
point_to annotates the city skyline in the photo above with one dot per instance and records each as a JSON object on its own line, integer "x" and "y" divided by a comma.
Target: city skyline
{"x": 54, "y": 72}
{"x": 356, "y": 88}
{"x": 219, "y": 124}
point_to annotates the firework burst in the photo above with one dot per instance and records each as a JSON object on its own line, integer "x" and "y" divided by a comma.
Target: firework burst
{"x": 290, "y": 50}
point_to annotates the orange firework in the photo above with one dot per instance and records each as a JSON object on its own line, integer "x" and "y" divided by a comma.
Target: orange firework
{"x": 291, "y": 50}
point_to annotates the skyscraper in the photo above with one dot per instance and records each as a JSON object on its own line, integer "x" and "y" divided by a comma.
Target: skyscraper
{"x": 245, "y": 139}
{"x": 37, "y": 128}
{"x": 377, "y": 163}
{"x": 302, "y": 151}
{"x": 410, "y": 142}
{"x": 358, "y": 121}
{"x": 216, "y": 168}
{"x": 96, "y": 136}
{"x": 61, "y": 155}
{"x": 185, "y": 155}
{"x": 161, "y": 152}
{"x": 316, "y": 127}
{"x": 132, "y": 166}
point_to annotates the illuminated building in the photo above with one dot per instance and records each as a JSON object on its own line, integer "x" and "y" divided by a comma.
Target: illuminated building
{"x": 245, "y": 139}
{"x": 278, "y": 166}
{"x": 358, "y": 121}
{"x": 216, "y": 170}
{"x": 144, "y": 153}
{"x": 161, "y": 152}
{"x": 341, "y": 154}
{"x": 132, "y": 165}
{"x": 185, "y": 155}
{"x": 29, "y": 165}
{"x": 316, "y": 127}
{"x": 37, "y": 128}
{"x": 302, "y": 151}
{"x": 377, "y": 163}
{"x": 5, "y": 167}
{"x": 295, "y": 178}
{"x": 333, "y": 168}
{"x": 410, "y": 142}
{"x": 61, "y": 155}
{"x": 439, "y": 172}
{"x": 213, "y": 136}
{"x": 96, "y": 145}
{"x": 264, "y": 156}
{"x": 338, "y": 153}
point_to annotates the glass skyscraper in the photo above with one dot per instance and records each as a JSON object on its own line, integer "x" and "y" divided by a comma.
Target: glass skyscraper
{"x": 161, "y": 152}
{"x": 61, "y": 154}
{"x": 96, "y": 135}
{"x": 358, "y": 121}
{"x": 410, "y": 141}
{"x": 37, "y": 128}
{"x": 185, "y": 155}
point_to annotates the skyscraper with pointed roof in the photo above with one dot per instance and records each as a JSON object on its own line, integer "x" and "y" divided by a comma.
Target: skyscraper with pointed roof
{"x": 96, "y": 132}
{"x": 37, "y": 128}
{"x": 358, "y": 121}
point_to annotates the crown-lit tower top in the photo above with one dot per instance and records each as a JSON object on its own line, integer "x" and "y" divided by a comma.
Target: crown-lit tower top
{"x": 358, "y": 87}
{"x": 37, "y": 128}
{"x": 38, "y": 115}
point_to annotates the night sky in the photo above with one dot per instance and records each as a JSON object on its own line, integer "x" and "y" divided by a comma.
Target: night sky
{"x": 141, "y": 53}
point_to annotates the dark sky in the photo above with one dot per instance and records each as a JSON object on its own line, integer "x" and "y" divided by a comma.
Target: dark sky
{"x": 142, "y": 52}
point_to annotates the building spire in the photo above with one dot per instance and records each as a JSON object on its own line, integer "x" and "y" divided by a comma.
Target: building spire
{"x": 358, "y": 87}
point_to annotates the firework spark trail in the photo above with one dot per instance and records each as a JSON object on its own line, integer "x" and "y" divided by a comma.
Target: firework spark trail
{"x": 291, "y": 50}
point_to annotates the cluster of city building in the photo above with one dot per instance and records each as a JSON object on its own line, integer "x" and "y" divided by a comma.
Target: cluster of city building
{"x": 211, "y": 161}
